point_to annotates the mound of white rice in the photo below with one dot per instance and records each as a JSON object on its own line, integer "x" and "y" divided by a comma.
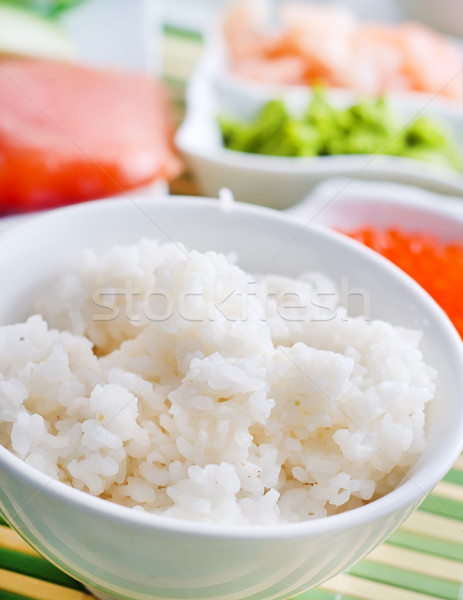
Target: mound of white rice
{"x": 174, "y": 382}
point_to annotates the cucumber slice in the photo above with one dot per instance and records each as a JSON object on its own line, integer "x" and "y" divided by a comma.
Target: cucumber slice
{"x": 25, "y": 33}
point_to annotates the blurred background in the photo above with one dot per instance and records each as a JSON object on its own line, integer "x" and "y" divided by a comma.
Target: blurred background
{"x": 351, "y": 45}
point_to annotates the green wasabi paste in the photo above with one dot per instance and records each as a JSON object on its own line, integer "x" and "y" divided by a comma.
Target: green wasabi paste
{"x": 369, "y": 126}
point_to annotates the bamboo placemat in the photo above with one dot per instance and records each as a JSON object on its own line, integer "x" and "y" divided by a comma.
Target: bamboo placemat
{"x": 422, "y": 560}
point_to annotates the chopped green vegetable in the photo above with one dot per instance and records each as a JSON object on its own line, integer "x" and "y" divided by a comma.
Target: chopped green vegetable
{"x": 366, "y": 127}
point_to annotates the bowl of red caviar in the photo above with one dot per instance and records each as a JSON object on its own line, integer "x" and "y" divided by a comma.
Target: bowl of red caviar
{"x": 417, "y": 230}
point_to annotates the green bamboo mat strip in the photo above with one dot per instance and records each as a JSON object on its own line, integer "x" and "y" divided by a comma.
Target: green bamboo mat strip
{"x": 181, "y": 34}
{"x": 427, "y": 545}
{"x": 363, "y": 589}
{"x": 417, "y": 562}
{"x": 445, "y": 507}
{"x": 180, "y": 56}
{"x": 36, "y": 589}
{"x": 181, "y": 52}
{"x": 11, "y": 596}
{"x": 454, "y": 476}
{"x": 35, "y": 566}
{"x": 401, "y": 578}
{"x": 434, "y": 526}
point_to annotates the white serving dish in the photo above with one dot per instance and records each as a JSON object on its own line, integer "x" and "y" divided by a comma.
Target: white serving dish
{"x": 137, "y": 556}
{"x": 346, "y": 204}
{"x": 281, "y": 182}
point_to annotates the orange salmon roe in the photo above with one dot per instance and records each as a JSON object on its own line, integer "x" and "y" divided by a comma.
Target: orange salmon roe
{"x": 436, "y": 266}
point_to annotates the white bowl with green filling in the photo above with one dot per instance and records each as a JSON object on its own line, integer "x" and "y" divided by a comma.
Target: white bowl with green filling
{"x": 282, "y": 181}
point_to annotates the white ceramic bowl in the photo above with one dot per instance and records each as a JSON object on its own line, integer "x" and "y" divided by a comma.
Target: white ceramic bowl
{"x": 130, "y": 555}
{"x": 281, "y": 182}
{"x": 343, "y": 204}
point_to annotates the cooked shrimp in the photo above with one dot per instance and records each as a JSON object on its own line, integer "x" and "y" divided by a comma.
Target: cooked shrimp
{"x": 318, "y": 43}
{"x": 285, "y": 70}
{"x": 243, "y": 30}
{"x": 324, "y": 54}
{"x": 430, "y": 62}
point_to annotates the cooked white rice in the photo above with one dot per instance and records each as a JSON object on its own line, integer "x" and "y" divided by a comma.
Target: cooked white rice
{"x": 176, "y": 383}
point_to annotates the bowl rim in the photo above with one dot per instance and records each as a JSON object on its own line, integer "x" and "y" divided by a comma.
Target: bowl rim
{"x": 345, "y": 192}
{"x": 383, "y": 164}
{"x": 408, "y": 494}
